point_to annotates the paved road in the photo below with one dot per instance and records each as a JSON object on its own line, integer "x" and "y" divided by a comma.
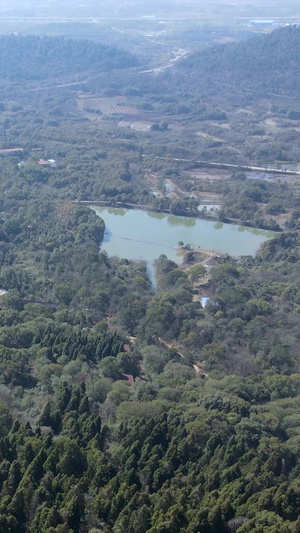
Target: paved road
{"x": 215, "y": 164}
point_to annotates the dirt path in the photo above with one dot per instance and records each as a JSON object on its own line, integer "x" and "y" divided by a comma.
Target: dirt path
{"x": 170, "y": 346}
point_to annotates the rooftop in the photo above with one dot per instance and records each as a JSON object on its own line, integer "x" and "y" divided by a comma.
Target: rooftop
{"x": 129, "y": 378}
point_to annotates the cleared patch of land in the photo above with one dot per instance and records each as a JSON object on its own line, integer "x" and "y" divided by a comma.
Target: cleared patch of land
{"x": 94, "y": 107}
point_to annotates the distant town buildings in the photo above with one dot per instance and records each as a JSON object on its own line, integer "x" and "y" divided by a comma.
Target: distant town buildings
{"x": 262, "y": 22}
{"x": 41, "y": 162}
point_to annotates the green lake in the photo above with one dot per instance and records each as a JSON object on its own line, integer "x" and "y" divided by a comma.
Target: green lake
{"x": 145, "y": 235}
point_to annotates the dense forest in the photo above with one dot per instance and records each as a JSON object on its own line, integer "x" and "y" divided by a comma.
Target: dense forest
{"x": 124, "y": 408}
{"x": 40, "y": 58}
{"x": 268, "y": 63}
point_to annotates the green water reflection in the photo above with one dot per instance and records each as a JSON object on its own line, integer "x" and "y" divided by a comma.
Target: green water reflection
{"x": 138, "y": 234}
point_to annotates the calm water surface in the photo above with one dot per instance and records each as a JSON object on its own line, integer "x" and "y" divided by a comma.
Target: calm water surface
{"x": 145, "y": 235}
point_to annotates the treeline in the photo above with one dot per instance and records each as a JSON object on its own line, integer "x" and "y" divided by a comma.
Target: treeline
{"x": 50, "y": 251}
{"x": 266, "y": 63}
{"x": 256, "y": 202}
{"x": 38, "y": 58}
{"x": 222, "y": 459}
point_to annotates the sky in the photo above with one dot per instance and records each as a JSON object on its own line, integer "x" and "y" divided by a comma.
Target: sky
{"x": 198, "y": 11}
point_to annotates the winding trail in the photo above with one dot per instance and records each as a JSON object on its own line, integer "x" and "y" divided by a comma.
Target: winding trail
{"x": 198, "y": 369}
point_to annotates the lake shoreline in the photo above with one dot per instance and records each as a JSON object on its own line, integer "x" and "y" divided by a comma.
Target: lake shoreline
{"x": 144, "y": 207}
{"x": 159, "y": 232}
{"x": 145, "y": 235}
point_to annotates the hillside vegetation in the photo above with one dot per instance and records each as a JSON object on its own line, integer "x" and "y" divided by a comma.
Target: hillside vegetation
{"x": 39, "y": 58}
{"x": 265, "y": 63}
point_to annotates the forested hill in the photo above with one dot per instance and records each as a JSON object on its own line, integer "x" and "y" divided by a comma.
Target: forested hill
{"x": 38, "y": 58}
{"x": 265, "y": 63}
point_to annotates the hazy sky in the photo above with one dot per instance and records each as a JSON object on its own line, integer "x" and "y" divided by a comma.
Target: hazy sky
{"x": 198, "y": 10}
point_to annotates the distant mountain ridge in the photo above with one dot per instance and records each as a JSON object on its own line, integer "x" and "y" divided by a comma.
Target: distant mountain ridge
{"x": 265, "y": 63}
{"x": 38, "y": 58}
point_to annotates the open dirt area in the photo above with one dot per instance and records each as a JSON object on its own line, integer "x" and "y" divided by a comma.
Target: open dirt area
{"x": 96, "y": 107}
